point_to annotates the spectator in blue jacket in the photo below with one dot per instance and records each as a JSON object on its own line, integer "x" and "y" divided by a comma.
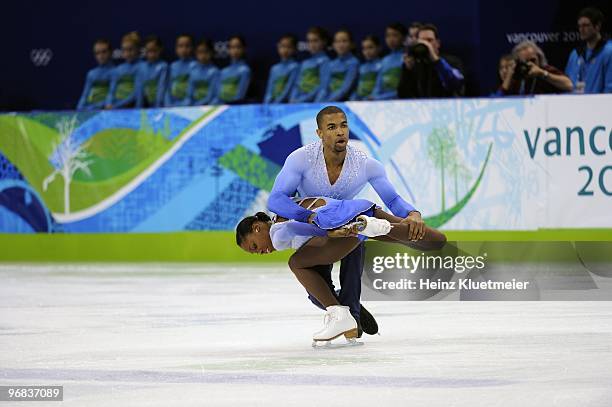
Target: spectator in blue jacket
{"x": 313, "y": 71}
{"x": 368, "y": 70}
{"x": 235, "y": 78}
{"x": 178, "y": 76}
{"x": 126, "y": 80}
{"x": 426, "y": 72}
{"x": 204, "y": 77}
{"x": 154, "y": 72}
{"x": 97, "y": 81}
{"x": 283, "y": 74}
{"x": 391, "y": 65}
{"x": 590, "y": 65}
{"x": 342, "y": 72}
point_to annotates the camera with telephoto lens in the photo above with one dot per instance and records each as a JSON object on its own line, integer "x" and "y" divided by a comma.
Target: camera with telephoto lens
{"x": 521, "y": 69}
{"x": 419, "y": 52}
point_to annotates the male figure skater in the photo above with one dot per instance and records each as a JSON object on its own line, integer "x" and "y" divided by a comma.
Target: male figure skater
{"x": 331, "y": 168}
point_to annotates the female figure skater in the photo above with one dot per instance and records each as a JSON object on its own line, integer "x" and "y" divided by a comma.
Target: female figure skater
{"x": 339, "y": 226}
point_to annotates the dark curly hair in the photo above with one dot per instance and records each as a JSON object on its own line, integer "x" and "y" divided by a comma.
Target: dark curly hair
{"x": 245, "y": 227}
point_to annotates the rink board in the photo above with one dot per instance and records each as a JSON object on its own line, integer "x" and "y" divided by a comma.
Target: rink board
{"x": 171, "y": 184}
{"x": 221, "y": 246}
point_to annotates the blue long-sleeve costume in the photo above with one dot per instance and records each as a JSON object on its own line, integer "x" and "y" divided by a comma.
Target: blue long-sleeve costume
{"x": 311, "y": 78}
{"x": 340, "y": 80}
{"x": 178, "y": 80}
{"x": 593, "y": 67}
{"x": 154, "y": 76}
{"x": 388, "y": 76}
{"x": 97, "y": 85}
{"x": 305, "y": 171}
{"x": 203, "y": 84}
{"x": 368, "y": 73}
{"x": 126, "y": 84}
{"x": 280, "y": 81}
{"x": 233, "y": 82}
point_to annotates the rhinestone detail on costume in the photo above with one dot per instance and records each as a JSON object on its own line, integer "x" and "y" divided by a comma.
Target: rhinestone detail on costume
{"x": 354, "y": 162}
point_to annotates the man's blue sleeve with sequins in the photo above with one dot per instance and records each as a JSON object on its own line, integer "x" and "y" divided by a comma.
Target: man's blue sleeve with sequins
{"x": 285, "y": 186}
{"x": 377, "y": 177}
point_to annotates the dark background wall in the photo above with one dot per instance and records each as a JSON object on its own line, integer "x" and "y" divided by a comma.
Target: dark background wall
{"x": 476, "y": 31}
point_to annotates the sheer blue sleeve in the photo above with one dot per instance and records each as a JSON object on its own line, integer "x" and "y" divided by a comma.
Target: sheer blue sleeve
{"x": 293, "y": 234}
{"x": 293, "y": 229}
{"x": 285, "y": 185}
{"x": 377, "y": 177}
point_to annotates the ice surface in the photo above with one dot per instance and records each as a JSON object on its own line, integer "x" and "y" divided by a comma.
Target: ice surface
{"x": 202, "y": 335}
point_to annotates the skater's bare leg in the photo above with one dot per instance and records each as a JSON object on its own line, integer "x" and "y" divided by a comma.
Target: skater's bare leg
{"x": 432, "y": 238}
{"x": 315, "y": 285}
{"x": 308, "y": 256}
{"x": 334, "y": 249}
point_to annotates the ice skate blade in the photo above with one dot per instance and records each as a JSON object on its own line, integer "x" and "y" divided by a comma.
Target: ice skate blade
{"x": 350, "y": 336}
{"x": 329, "y": 345}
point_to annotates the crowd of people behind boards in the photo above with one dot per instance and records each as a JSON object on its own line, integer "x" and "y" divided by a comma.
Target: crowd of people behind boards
{"x": 413, "y": 67}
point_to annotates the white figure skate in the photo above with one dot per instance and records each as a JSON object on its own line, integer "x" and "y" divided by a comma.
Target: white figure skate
{"x": 370, "y": 227}
{"x": 338, "y": 321}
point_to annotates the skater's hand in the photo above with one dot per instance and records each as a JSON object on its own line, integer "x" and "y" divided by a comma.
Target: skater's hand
{"x": 433, "y": 55}
{"x": 416, "y": 226}
{"x": 343, "y": 232}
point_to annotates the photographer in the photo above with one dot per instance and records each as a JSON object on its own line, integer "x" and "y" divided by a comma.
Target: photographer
{"x": 531, "y": 75}
{"x": 426, "y": 73}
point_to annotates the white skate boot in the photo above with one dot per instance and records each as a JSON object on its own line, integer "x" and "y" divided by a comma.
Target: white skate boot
{"x": 338, "y": 321}
{"x": 370, "y": 227}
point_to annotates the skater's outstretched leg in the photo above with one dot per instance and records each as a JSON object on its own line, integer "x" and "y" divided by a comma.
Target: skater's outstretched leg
{"x": 432, "y": 239}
